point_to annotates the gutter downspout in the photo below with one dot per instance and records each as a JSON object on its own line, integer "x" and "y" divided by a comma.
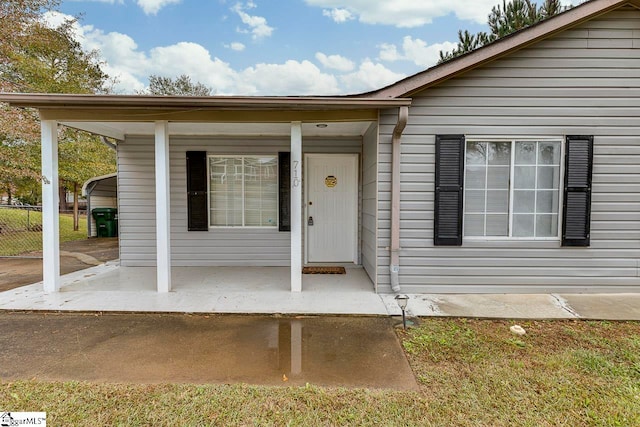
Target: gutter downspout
{"x": 108, "y": 143}
{"x": 394, "y": 265}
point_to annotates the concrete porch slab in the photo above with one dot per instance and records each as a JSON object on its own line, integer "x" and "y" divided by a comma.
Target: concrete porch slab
{"x": 265, "y": 290}
{"x": 256, "y": 290}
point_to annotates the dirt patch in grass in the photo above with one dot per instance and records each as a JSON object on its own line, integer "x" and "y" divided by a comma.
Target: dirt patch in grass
{"x": 472, "y": 373}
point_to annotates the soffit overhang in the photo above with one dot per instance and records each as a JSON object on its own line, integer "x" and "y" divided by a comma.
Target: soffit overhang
{"x": 117, "y": 116}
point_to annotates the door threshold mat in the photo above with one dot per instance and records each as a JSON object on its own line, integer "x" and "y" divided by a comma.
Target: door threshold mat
{"x": 323, "y": 270}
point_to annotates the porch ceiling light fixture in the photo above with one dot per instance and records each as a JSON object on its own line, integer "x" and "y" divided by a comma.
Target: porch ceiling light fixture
{"x": 402, "y": 301}
{"x": 322, "y": 125}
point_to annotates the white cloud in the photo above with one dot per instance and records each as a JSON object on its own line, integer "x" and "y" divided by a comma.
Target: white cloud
{"x": 369, "y": 76}
{"x": 53, "y": 19}
{"x": 131, "y": 66}
{"x": 338, "y": 15}
{"x": 421, "y": 53}
{"x": 409, "y": 13}
{"x": 389, "y": 52}
{"x": 335, "y": 62}
{"x": 195, "y": 61}
{"x": 101, "y": 1}
{"x": 258, "y": 26}
{"x": 237, "y": 46}
{"x": 124, "y": 81}
{"x": 292, "y": 77}
{"x": 152, "y": 7}
{"x": 414, "y": 50}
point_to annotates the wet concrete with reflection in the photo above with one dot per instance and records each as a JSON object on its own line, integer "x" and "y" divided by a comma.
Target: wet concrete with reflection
{"x": 154, "y": 348}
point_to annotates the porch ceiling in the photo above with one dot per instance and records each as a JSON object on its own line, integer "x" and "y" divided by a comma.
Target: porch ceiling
{"x": 118, "y": 130}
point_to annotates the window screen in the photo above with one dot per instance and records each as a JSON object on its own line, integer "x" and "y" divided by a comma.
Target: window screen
{"x": 243, "y": 191}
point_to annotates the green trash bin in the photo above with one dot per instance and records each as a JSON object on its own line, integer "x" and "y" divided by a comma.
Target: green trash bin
{"x": 106, "y": 221}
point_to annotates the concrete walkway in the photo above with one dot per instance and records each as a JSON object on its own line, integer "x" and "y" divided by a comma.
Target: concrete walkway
{"x": 111, "y": 288}
{"x": 525, "y": 306}
{"x": 74, "y": 256}
{"x": 177, "y": 348}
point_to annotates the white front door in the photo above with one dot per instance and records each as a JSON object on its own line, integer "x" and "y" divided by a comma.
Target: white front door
{"x": 332, "y": 207}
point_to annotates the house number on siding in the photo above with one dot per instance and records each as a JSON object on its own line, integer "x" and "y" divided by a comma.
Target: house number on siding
{"x": 296, "y": 179}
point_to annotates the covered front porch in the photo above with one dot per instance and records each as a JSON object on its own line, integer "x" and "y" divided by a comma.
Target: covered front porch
{"x": 162, "y": 244}
{"x": 112, "y": 288}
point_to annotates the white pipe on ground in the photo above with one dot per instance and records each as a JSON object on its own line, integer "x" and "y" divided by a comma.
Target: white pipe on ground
{"x": 394, "y": 265}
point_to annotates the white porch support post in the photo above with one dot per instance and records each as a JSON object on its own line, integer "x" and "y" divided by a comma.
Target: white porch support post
{"x": 50, "y": 213}
{"x": 296, "y": 206}
{"x": 163, "y": 229}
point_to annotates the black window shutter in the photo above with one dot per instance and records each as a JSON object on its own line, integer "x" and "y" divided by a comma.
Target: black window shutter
{"x": 578, "y": 167}
{"x": 449, "y": 188}
{"x": 197, "y": 191}
{"x": 284, "y": 195}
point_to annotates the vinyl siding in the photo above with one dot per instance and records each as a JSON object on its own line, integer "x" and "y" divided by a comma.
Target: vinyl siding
{"x": 584, "y": 81}
{"x": 217, "y": 247}
{"x": 369, "y": 201}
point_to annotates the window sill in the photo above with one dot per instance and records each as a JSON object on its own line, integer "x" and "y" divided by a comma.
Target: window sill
{"x": 512, "y": 243}
{"x": 243, "y": 228}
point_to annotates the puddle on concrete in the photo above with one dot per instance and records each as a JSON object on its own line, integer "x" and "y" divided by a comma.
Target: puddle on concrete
{"x": 329, "y": 351}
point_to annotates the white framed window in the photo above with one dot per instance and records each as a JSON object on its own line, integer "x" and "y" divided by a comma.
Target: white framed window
{"x": 243, "y": 191}
{"x": 512, "y": 188}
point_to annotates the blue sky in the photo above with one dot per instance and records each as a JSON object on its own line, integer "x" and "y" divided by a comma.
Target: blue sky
{"x": 271, "y": 47}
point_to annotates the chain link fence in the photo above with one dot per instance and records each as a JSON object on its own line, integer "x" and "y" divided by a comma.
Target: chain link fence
{"x": 20, "y": 231}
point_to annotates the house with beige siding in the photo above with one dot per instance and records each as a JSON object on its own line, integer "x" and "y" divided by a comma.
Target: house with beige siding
{"x": 514, "y": 168}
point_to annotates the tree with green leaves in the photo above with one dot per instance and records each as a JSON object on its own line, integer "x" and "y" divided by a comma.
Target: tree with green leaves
{"x": 18, "y": 127}
{"x": 51, "y": 60}
{"x": 35, "y": 57}
{"x": 19, "y": 151}
{"x": 180, "y": 86}
{"x": 15, "y": 16}
{"x": 82, "y": 156}
{"x": 502, "y": 21}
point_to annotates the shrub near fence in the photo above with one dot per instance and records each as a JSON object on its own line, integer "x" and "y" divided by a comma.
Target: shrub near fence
{"x": 21, "y": 230}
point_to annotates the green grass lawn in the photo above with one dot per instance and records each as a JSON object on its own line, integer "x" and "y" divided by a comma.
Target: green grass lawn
{"x": 471, "y": 373}
{"x": 21, "y": 231}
